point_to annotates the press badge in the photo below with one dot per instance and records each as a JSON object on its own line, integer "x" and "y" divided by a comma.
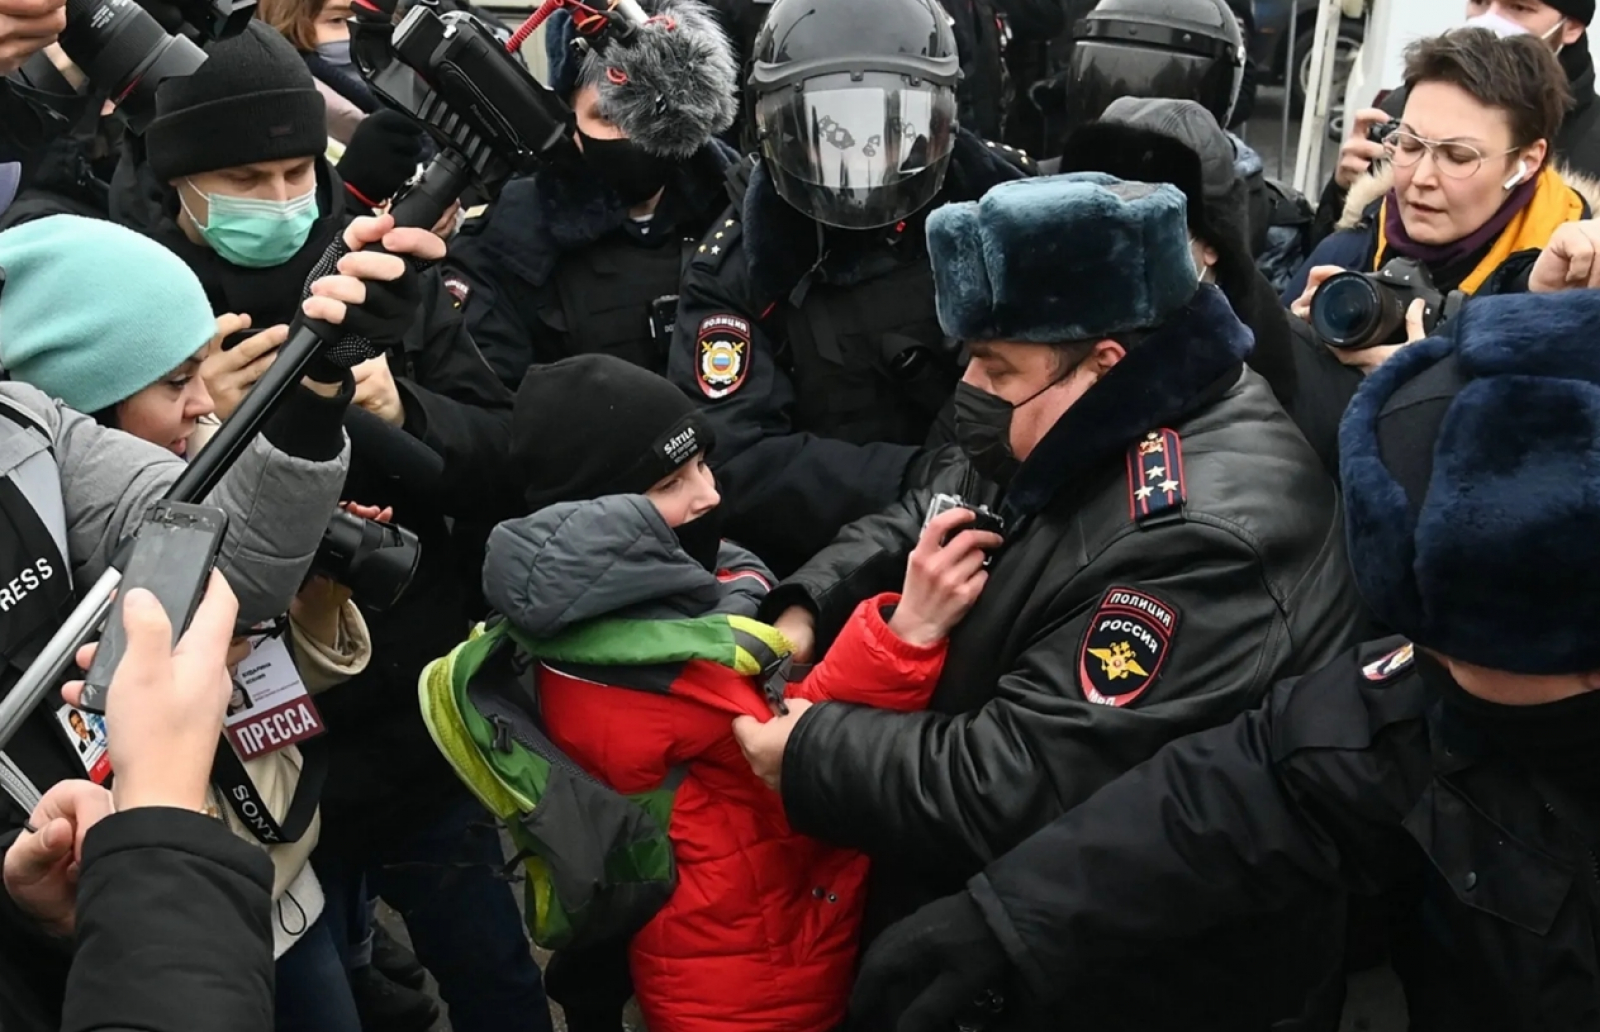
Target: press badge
{"x": 270, "y": 708}
{"x": 86, "y": 735}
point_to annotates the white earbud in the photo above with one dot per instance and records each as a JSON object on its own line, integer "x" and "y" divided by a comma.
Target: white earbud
{"x": 1521, "y": 174}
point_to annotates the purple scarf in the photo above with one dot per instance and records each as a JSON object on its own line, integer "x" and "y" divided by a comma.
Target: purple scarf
{"x": 1442, "y": 256}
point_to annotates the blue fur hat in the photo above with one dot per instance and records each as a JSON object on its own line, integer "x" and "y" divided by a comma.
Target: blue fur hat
{"x": 1471, "y": 468}
{"x": 1061, "y": 258}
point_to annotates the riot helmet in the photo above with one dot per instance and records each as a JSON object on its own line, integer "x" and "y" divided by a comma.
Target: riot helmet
{"x": 1179, "y": 49}
{"x": 854, "y": 106}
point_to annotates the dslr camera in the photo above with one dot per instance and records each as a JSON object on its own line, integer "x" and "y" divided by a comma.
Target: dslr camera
{"x": 1355, "y": 310}
{"x": 127, "y": 53}
{"x": 376, "y": 561}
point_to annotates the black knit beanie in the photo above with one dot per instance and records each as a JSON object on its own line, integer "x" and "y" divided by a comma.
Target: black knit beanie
{"x": 1578, "y": 10}
{"x": 595, "y": 425}
{"x": 253, "y": 100}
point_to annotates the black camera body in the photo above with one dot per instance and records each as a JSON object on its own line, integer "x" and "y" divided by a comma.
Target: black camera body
{"x": 452, "y": 75}
{"x": 983, "y": 518}
{"x": 376, "y": 561}
{"x": 1355, "y": 310}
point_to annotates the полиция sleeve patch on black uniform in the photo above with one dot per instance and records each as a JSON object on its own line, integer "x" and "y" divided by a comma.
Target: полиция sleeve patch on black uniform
{"x": 722, "y": 354}
{"x": 458, "y": 287}
{"x": 1387, "y": 667}
{"x": 1125, "y": 646}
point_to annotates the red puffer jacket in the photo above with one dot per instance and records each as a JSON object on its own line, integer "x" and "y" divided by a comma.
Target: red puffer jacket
{"x": 761, "y": 934}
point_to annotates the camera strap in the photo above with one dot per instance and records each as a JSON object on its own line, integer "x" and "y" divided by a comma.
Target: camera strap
{"x": 237, "y": 787}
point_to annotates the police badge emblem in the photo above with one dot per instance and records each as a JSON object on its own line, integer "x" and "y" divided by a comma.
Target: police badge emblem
{"x": 1125, "y": 646}
{"x": 724, "y": 355}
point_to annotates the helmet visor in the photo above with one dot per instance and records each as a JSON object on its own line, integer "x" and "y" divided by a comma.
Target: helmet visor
{"x": 858, "y": 147}
{"x": 1102, "y": 72}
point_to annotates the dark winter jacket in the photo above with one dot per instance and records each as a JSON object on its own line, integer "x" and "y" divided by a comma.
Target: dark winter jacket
{"x": 541, "y": 262}
{"x": 172, "y": 935}
{"x": 70, "y": 177}
{"x": 382, "y": 761}
{"x": 1100, "y": 636}
{"x": 793, "y": 472}
{"x": 1352, "y": 777}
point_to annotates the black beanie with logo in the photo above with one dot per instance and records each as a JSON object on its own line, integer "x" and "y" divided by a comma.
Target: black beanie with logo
{"x": 595, "y": 425}
{"x": 253, "y": 100}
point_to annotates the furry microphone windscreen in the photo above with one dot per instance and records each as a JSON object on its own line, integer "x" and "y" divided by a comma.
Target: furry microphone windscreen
{"x": 671, "y": 87}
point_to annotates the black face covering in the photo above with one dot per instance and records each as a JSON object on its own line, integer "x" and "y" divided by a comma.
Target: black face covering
{"x": 634, "y": 174}
{"x": 702, "y": 538}
{"x": 983, "y": 429}
{"x": 1561, "y": 739}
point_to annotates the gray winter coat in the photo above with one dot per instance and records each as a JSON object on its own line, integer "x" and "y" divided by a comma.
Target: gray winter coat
{"x": 279, "y": 505}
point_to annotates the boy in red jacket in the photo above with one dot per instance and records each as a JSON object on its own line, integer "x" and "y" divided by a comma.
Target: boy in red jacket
{"x": 761, "y": 932}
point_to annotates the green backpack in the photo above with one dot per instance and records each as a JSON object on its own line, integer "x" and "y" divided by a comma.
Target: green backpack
{"x": 597, "y": 864}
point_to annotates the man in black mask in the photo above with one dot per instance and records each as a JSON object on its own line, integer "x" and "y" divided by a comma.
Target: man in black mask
{"x": 1458, "y": 764}
{"x": 1173, "y": 546}
{"x": 584, "y": 257}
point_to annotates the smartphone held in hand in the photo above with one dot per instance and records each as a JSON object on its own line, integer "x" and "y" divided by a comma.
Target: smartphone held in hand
{"x": 173, "y": 553}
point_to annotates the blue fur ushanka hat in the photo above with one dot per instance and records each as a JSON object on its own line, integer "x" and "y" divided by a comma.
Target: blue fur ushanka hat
{"x": 1061, "y": 258}
{"x": 1471, "y": 468}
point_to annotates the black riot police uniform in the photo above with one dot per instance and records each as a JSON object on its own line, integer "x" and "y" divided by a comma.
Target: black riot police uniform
{"x": 1453, "y": 770}
{"x": 806, "y": 321}
{"x": 557, "y": 268}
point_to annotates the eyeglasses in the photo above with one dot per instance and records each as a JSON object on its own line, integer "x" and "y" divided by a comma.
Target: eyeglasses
{"x": 1456, "y": 160}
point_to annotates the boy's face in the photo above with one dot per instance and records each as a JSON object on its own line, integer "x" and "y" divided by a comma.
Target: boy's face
{"x": 686, "y": 494}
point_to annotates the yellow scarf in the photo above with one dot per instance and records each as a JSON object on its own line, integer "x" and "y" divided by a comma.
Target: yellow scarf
{"x": 1553, "y": 204}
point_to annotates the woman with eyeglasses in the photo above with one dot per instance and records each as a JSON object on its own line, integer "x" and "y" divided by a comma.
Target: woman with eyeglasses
{"x": 1469, "y": 189}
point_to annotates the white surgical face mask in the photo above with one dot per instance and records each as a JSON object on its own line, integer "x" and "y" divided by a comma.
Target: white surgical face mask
{"x": 1504, "y": 27}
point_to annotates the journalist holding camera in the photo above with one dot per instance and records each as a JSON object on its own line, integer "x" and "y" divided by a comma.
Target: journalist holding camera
{"x": 1108, "y": 417}
{"x": 231, "y": 178}
{"x": 1464, "y": 203}
{"x": 149, "y": 386}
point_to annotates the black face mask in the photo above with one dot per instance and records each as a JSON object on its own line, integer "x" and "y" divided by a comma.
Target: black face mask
{"x": 983, "y": 429}
{"x": 702, "y": 538}
{"x": 1561, "y": 739}
{"x": 635, "y": 175}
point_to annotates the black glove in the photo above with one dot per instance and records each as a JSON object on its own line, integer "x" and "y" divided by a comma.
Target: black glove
{"x": 939, "y": 965}
{"x": 372, "y": 327}
{"x": 382, "y": 155}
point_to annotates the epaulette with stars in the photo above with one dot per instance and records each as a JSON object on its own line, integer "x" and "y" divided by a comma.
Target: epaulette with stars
{"x": 1013, "y": 156}
{"x": 1155, "y": 476}
{"x": 714, "y": 246}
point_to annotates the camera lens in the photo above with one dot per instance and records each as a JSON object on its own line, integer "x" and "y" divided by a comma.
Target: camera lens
{"x": 124, "y": 51}
{"x": 1352, "y": 311}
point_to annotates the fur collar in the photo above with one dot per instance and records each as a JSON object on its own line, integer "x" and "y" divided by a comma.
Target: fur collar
{"x": 1164, "y": 378}
{"x": 1367, "y": 191}
{"x": 540, "y": 217}
{"x": 780, "y": 243}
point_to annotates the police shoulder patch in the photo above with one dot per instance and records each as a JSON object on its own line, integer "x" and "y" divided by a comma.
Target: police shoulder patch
{"x": 722, "y": 354}
{"x": 1125, "y": 646}
{"x": 1386, "y": 668}
{"x": 458, "y": 287}
{"x": 718, "y": 241}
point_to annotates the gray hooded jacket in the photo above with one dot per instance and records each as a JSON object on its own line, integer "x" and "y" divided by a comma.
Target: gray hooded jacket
{"x": 613, "y": 556}
{"x": 278, "y": 505}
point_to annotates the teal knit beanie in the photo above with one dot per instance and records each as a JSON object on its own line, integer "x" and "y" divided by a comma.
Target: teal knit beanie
{"x": 93, "y": 313}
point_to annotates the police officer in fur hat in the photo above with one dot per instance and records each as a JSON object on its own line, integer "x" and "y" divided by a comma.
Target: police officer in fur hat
{"x": 1173, "y": 546}
{"x": 585, "y": 257}
{"x": 1458, "y": 764}
{"x": 806, "y": 322}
